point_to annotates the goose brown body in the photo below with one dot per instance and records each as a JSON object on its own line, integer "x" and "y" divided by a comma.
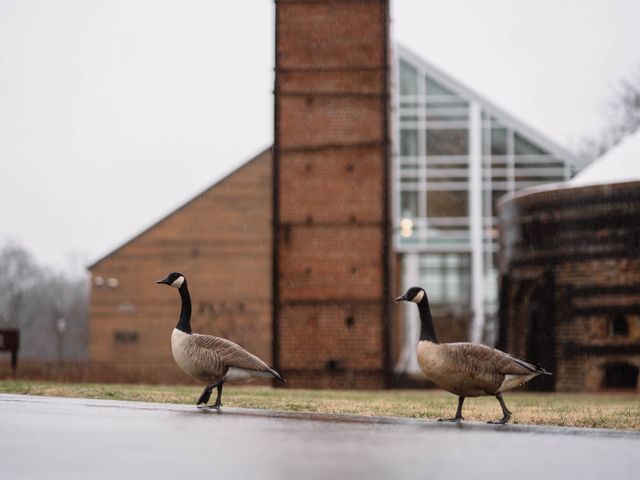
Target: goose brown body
{"x": 472, "y": 370}
{"x": 213, "y": 359}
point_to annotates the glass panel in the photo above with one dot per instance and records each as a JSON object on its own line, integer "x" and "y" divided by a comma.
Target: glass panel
{"x": 550, "y": 164}
{"x": 443, "y": 162}
{"x": 539, "y": 178}
{"x": 495, "y": 196}
{"x": 447, "y": 203}
{"x": 446, "y": 277}
{"x": 408, "y": 79}
{"x": 435, "y": 88}
{"x": 408, "y": 204}
{"x": 491, "y": 286}
{"x": 431, "y": 276}
{"x": 498, "y": 163}
{"x": 486, "y": 204}
{"x": 408, "y": 142}
{"x": 445, "y": 114}
{"x": 446, "y": 103}
{"x": 497, "y": 176}
{"x": 448, "y": 174}
{"x": 408, "y": 178}
{"x": 498, "y": 141}
{"x": 525, "y": 147}
{"x": 448, "y": 237}
{"x": 447, "y": 142}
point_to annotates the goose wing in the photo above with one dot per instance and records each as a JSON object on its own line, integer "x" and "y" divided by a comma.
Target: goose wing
{"x": 232, "y": 355}
{"x": 489, "y": 369}
{"x": 496, "y": 360}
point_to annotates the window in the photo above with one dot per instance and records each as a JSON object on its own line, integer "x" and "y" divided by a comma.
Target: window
{"x": 495, "y": 197}
{"x": 620, "y": 375}
{"x": 447, "y": 142}
{"x": 618, "y": 326}
{"x": 435, "y": 88}
{"x": 446, "y": 277}
{"x": 449, "y": 203}
{"x": 408, "y": 79}
{"x": 125, "y": 337}
{"x": 408, "y": 142}
{"x": 408, "y": 204}
{"x": 525, "y": 147}
{"x": 491, "y": 209}
{"x": 498, "y": 141}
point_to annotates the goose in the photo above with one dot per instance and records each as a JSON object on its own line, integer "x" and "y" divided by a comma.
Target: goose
{"x": 211, "y": 359}
{"x": 467, "y": 369}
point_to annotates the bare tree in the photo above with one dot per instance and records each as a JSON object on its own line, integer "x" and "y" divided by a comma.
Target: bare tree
{"x": 623, "y": 118}
{"x": 48, "y": 308}
{"x": 18, "y": 273}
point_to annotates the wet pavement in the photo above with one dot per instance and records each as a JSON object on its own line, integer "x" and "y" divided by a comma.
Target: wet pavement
{"x": 57, "y": 438}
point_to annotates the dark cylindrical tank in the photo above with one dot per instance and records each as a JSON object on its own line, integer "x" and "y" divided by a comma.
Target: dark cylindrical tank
{"x": 570, "y": 284}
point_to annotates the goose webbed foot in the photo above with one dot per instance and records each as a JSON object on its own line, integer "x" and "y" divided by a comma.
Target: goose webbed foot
{"x": 502, "y": 421}
{"x": 506, "y": 414}
{"x": 458, "y": 416}
{"x": 454, "y": 419}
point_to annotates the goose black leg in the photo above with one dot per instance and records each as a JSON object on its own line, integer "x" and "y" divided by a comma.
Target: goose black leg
{"x": 206, "y": 395}
{"x": 458, "y": 416}
{"x": 218, "y": 403}
{"x": 506, "y": 414}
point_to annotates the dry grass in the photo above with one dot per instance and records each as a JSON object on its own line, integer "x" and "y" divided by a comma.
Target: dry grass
{"x": 619, "y": 411}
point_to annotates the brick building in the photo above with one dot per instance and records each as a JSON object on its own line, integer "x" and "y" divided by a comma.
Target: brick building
{"x": 298, "y": 254}
{"x": 222, "y": 240}
{"x": 570, "y": 279}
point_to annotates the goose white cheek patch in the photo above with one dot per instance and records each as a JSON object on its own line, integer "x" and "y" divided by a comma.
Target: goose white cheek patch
{"x": 418, "y": 297}
{"x": 178, "y": 282}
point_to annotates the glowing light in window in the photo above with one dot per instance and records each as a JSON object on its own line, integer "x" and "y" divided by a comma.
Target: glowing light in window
{"x": 406, "y": 227}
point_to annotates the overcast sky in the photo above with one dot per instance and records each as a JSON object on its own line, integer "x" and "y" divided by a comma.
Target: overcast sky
{"x": 113, "y": 113}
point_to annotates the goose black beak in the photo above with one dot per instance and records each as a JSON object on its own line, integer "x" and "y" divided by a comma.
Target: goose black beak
{"x": 164, "y": 281}
{"x": 400, "y": 298}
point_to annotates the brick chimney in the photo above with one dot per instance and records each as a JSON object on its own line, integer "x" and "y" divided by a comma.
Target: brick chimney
{"x": 332, "y": 239}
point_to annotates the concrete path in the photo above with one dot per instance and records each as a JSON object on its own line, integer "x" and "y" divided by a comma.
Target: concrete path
{"x": 56, "y": 438}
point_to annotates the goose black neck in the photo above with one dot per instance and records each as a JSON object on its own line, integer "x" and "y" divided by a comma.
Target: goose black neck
{"x": 184, "y": 323}
{"x": 427, "y": 332}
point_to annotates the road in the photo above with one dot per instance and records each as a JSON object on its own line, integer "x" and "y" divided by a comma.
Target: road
{"x": 56, "y": 438}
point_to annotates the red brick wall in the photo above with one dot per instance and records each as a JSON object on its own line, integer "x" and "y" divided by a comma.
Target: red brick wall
{"x": 333, "y": 269}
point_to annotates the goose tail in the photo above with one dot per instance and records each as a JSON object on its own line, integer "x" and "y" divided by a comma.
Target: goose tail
{"x": 532, "y": 367}
{"x": 277, "y": 375}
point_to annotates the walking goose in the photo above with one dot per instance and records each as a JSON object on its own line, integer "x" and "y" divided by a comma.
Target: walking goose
{"x": 467, "y": 369}
{"x": 211, "y": 359}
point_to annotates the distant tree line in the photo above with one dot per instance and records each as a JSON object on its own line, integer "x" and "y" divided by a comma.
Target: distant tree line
{"x": 49, "y": 308}
{"x": 622, "y": 115}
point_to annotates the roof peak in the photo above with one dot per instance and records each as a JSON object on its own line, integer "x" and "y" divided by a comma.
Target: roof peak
{"x": 464, "y": 91}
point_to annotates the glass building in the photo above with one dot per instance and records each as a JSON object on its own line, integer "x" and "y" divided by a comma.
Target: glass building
{"x": 456, "y": 155}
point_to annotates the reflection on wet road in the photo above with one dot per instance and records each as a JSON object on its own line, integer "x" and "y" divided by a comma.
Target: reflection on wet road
{"x": 73, "y": 438}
